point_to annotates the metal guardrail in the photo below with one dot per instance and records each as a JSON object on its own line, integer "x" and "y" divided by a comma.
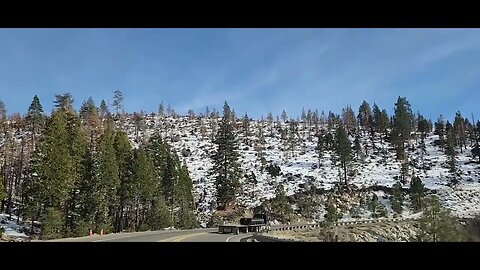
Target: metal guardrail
{"x": 269, "y": 238}
{"x": 343, "y": 223}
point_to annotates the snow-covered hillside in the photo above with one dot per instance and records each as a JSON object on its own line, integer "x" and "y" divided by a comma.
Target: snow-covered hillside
{"x": 377, "y": 165}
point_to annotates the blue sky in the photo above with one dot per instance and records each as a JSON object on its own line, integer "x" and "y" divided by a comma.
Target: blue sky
{"x": 255, "y": 70}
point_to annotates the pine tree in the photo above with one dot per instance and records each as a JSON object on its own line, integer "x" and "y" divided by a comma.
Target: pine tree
{"x": 32, "y": 191}
{"x": 103, "y": 109}
{"x": 364, "y": 115}
{"x": 280, "y": 204}
{"x": 13, "y": 156}
{"x": 329, "y": 141}
{"x": 448, "y": 127}
{"x": 402, "y": 126}
{"x": 260, "y": 147}
{"x": 91, "y": 120}
{"x": 451, "y": 154}
{"x": 191, "y": 114}
{"x": 246, "y": 127}
{"x": 348, "y": 117}
{"x": 158, "y": 217}
{"x": 376, "y": 116}
{"x": 2, "y": 189}
{"x": 106, "y": 181}
{"x": 214, "y": 113}
{"x": 413, "y": 127}
{"x": 35, "y": 119}
{"x": 7, "y": 156}
{"x": 404, "y": 172}
{"x": 252, "y": 180}
{"x": 319, "y": 118}
{"x": 357, "y": 147}
{"x": 380, "y": 120}
{"x": 161, "y": 109}
{"x": 158, "y": 152}
{"x": 469, "y": 131}
{"x": 476, "y": 146}
{"x": 472, "y": 134}
{"x": 3, "y": 112}
{"x": 440, "y": 130}
{"x": 343, "y": 149}
{"x": 185, "y": 218}
{"x": 320, "y": 147}
{"x": 77, "y": 148}
{"x": 139, "y": 123}
{"x": 417, "y": 194}
{"x": 283, "y": 116}
{"x": 170, "y": 175}
{"x": 117, "y": 101}
{"x": 376, "y": 207}
{"x": 292, "y": 137}
{"x": 207, "y": 112}
{"x": 64, "y": 102}
{"x": 233, "y": 115}
{"x": 56, "y": 164}
{"x": 88, "y": 107}
{"x": 397, "y": 198}
{"x": 203, "y": 128}
{"x": 309, "y": 125}
{"x": 88, "y": 199}
{"x": 331, "y": 121}
{"x": 213, "y": 128}
{"x": 144, "y": 181}
{"x": 309, "y": 118}
{"x": 332, "y": 213}
{"x": 226, "y": 169}
{"x": 430, "y": 125}
{"x": 307, "y": 205}
{"x": 459, "y": 127}
{"x": 270, "y": 122}
{"x": 383, "y": 122}
{"x": 437, "y": 224}
{"x": 123, "y": 155}
{"x": 52, "y": 224}
{"x": 422, "y": 126}
{"x": 53, "y": 173}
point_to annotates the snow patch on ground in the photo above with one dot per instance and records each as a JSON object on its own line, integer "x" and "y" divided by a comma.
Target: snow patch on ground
{"x": 9, "y": 224}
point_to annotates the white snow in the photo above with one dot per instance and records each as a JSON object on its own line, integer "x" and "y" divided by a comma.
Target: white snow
{"x": 300, "y": 172}
{"x": 11, "y": 227}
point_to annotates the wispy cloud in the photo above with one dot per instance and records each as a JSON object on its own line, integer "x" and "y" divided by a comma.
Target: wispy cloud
{"x": 256, "y": 70}
{"x": 254, "y": 75}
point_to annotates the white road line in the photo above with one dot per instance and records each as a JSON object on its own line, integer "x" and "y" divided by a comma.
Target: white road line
{"x": 242, "y": 236}
{"x": 126, "y": 236}
{"x": 182, "y": 237}
{"x": 229, "y": 238}
{"x": 116, "y": 238}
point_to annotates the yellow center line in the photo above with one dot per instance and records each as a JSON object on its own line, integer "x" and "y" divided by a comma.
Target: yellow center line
{"x": 180, "y": 237}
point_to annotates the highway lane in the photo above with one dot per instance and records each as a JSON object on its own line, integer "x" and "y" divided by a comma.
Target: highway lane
{"x": 196, "y": 235}
{"x": 213, "y": 237}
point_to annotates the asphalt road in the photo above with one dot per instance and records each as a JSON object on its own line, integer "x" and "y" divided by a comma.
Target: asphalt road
{"x": 198, "y": 235}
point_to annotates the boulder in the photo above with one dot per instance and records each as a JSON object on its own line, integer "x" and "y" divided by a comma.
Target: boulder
{"x": 186, "y": 152}
{"x": 176, "y": 138}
